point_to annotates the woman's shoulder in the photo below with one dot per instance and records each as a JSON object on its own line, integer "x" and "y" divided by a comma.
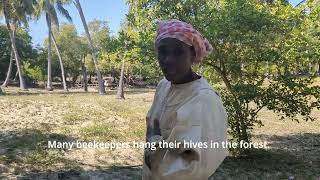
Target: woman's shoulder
{"x": 206, "y": 97}
{"x": 206, "y": 92}
{"x": 161, "y": 88}
{"x": 163, "y": 83}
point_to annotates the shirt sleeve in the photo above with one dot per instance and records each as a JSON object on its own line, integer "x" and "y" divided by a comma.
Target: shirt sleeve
{"x": 200, "y": 122}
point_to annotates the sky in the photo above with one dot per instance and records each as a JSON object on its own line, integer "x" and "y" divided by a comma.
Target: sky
{"x": 113, "y": 11}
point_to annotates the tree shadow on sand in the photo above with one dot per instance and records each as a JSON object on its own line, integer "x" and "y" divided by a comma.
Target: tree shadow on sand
{"x": 25, "y": 155}
{"x": 103, "y": 173}
{"x": 23, "y": 150}
{"x": 293, "y": 156}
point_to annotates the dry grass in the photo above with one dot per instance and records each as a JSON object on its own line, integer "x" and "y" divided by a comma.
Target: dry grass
{"x": 30, "y": 119}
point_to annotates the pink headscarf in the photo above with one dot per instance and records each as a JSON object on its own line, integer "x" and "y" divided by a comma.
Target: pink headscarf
{"x": 186, "y": 33}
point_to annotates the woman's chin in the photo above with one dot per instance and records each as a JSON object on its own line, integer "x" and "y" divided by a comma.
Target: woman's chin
{"x": 169, "y": 77}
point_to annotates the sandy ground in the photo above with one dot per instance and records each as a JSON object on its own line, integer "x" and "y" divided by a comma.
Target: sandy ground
{"x": 28, "y": 120}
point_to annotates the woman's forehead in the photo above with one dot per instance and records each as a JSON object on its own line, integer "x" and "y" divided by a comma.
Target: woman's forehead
{"x": 172, "y": 42}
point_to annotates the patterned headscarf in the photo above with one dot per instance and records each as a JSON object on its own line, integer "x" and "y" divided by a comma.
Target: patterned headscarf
{"x": 186, "y": 33}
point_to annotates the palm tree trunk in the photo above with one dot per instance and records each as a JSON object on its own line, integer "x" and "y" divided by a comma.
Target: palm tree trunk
{"x": 6, "y": 81}
{"x": 23, "y": 85}
{"x": 102, "y": 90}
{"x": 61, "y": 64}
{"x": 120, "y": 93}
{"x": 14, "y": 48}
{"x": 16, "y": 76}
{"x": 49, "y": 81}
{"x": 84, "y": 73}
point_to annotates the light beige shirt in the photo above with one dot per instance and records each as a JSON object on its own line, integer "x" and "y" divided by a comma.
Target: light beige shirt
{"x": 190, "y": 112}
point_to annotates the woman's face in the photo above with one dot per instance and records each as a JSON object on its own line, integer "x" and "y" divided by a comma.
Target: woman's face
{"x": 175, "y": 58}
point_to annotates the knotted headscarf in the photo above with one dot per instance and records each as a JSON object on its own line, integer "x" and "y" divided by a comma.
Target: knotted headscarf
{"x": 186, "y": 33}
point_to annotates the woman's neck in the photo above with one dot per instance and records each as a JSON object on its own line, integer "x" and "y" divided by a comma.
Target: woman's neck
{"x": 191, "y": 76}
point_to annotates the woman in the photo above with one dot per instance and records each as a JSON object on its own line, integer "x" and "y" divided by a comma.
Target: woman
{"x": 185, "y": 109}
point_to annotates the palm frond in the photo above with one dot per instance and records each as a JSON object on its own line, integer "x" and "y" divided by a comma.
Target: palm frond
{"x": 63, "y": 11}
{"x": 53, "y": 14}
{"x": 39, "y": 9}
{"x": 20, "y": 11}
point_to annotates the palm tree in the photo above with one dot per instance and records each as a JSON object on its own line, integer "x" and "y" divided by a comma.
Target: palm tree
{"x": 122, "y": 38}
{"x": 102, "y": 90}
{"x": 61, "y": 64}
{"x": 84, "y": 73}
{"x": 84, "y": 50}
{"x": 15, "y": 12}
{"x": 49, "y": 7}
{"x": 6, "y": 81}
{"x": 120, "y": 93}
